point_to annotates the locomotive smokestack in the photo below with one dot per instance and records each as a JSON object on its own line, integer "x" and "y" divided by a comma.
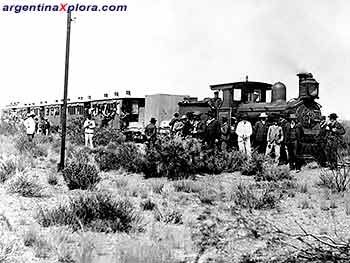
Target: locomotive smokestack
{"x": 303, "y": 76}
{"x": 308, "y": 86}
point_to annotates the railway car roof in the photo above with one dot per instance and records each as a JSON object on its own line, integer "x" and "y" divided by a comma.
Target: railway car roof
{"x": 242, "y": 85}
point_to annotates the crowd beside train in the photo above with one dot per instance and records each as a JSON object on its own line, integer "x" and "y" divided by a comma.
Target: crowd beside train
{"x": 278, "y": 136}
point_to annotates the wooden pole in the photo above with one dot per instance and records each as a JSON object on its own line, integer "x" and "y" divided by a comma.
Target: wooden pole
{"x": 65, "y": 92}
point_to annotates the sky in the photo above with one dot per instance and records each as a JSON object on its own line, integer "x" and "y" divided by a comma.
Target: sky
{"x": 177, "y": 47}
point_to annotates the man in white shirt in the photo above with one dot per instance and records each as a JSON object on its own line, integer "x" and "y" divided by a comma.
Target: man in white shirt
{"x": 89, "y": 127}
{"x": 29, "y": 123}
{"x": 274, "y": 139}
{"x": 244, "y": 131}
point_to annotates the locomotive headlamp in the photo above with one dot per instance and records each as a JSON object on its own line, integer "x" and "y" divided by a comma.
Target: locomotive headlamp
{"x": 308, "y": 89}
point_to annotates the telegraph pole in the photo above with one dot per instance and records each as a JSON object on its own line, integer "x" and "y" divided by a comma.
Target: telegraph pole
{"x": 64, "y": 108}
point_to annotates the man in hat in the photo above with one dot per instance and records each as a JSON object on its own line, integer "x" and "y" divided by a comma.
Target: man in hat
{"x": 196, "y": 122}
{"x": 225, "y": 134}
{"x": 151, "y": 131}
{"x": 172, "y": 122}
{"x": 89, "y": 129}
{"x": 284, "y": 154}
{"x": 274, "y": 140}
{"x": 260, "y": 133}
{"x": 334, "y": 133}
{"x": 244, "y": 131}
{"x": 187, "y": 125}
{"x": 30, "y": 125}
{"x": 293, "y": 136}
{"x": 213, "y": 131}
{"x": 233, "y": 136}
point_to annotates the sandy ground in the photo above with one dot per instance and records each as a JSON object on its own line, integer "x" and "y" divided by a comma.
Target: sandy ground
{"x": 316, "y": 208}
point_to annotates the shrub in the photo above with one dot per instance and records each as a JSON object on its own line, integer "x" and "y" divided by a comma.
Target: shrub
{"x": 10, "y": 128}
{"x": 105, "y": 136}
{"x": 168, "y": 215}
{"x": 172, "y": 157}
{"x": 147, "y": 204}
{"x": 255, "y": 165}
{"x": 7, "y": 169}
{"x": 187, "y": 186}
{"x": 235, "y": 161}
{"x": 107, "y": 159}
{"x": 24, "y": 146}
{"x": 274, "y": 173}
{"x": 126, "y": 156}
{"x": 40, "y": 244}
{"x": 75, "y": 131}
{"x": 157, "y": 186}
{"x": 97, "y": 211}
{"x": 25, "y": 186}
{"x": 337, "y": 180}
{"x": 207, "y": 196}
{"x": 211, "y": 162}
{"x": 251, "y": 197}
{"x": 79, "y": 174}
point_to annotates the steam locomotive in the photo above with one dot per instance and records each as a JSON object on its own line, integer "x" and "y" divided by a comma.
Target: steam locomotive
{"x": 250, "y": 98}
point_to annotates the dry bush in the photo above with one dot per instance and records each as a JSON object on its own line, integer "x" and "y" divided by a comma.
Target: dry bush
{"x": 24, "y": 146}
{"x": 235, "y": 161}
{"x": 8, "y": 167}
{"x": 273, "y": 173}
{"x": 254, "y": 196}
{"x": 188, "y": 186}
{"x": 171, "y": 157}
{"x": 254, "y": 165}
{"x": 11, "y": 128}
{"x": 79, "y": 174}
{"x": 9, "y": 248}
{"x": 126, "y": 156}
{"x": 168, "y": 215}
{"x": 157, "y": 185}
{"x": 337, "y": 180}
{"x": 97, "y": 211}
{"x": 208, "y": 195}
{"x": 148, "y": 204}
{"x": 26, "y": 186}
{"x": 41, "y": 245}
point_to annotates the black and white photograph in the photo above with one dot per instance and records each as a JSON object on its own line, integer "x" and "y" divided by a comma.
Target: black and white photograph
{"x": 173, "y": 131}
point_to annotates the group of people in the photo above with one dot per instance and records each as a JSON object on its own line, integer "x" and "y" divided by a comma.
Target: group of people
{"x": 35, "y": 125}
{"x": 277, "y": 136}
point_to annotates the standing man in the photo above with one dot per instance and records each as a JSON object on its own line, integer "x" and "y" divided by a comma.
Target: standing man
{"x": 260, "y": 133}
{"x": 30, "y": 125}
{"x": 225, "y": 134}
{"x": 151, "y": 131}
{"x": 89, "y": 128}
{"x": 244, "y": 131}
{"x": 294, "y": 134}
{"x": 201, "y": 128}
{"x": 233, "y": 136}
{"x": 334, "y": 133}
{"x": 283, "y": 123}
{"x": 172, "y": 122}
{"x": 274, "y": 140}
{"x": 213, "y": 130}
{"x": 187, "y": 126}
